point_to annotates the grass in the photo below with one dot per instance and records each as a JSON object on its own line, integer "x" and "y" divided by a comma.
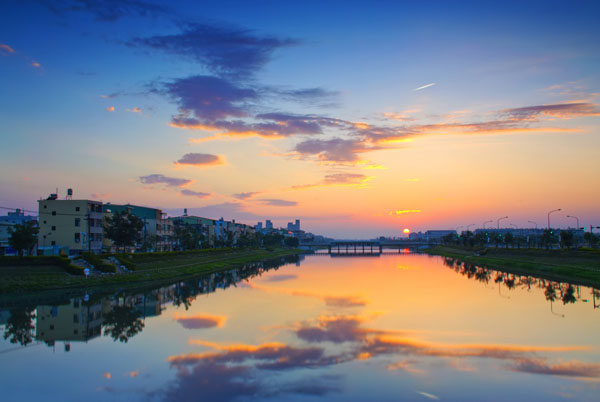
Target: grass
{"x": 581, "y": 266}
{"x": 148, "y": 268}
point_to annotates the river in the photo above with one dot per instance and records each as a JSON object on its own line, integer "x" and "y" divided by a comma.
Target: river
{"x": 393, "y": 327}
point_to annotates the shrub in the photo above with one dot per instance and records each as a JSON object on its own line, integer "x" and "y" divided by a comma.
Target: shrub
{"x": 99, "y": 263}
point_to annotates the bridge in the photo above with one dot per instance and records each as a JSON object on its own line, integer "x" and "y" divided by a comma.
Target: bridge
{"x": 363, "y": 247}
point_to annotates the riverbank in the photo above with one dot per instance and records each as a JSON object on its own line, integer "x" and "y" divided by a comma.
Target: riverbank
{"x": 577, "y": 266}
{"x": 146, "y": 267}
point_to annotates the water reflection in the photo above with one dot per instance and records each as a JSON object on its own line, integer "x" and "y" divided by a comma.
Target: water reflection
{"x": 120, "y": 315}
{"x": 569, "y": 293}
{"x": 331, "y": 329}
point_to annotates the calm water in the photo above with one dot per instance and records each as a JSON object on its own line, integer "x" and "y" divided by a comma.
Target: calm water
{"x": 390, "y": 328}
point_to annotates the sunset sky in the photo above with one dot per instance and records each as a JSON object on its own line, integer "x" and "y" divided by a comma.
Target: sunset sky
{"x": 358, "y": 118}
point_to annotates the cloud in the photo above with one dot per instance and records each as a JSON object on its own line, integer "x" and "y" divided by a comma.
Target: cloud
{"x": 200, "y": 321}
{"x": 336, "y": 329}
{"x": 337, "y": 150}
{"x": 405, "y": 211}
{"x": 278, "y": 203}
{"x": 195, "y": 193}
{"x": 559, "y": 111}
{"x": 169, "y": 181}
{"x": 279, "y": 278}
{"x": 135, "y": 110}
{"x": 245, "y": 196}
{"x": 405, "y": 365}
{"x": 567, "y": 369}
{"x": 207, "y": 98}
{"x": 424, "y": 86}
{"x": 110, "y": 109}
{"x": 110, "y": 96}
{"x": 5, "y": 49}
{"x": 195, "y": 159}
{"x": 223, "y": 50}
{"x": 273, "y": 125}
{"x": 106, "y": 10}
{"x": 306, "y": 95}
{"x": 100, "y": 196}
{"x": 344, "y": 301}
{"x": 133, "y": 374}
{"x": 106, "y": 375}
{"x": 35, "y": 64}
{"x": 337, "y": 179}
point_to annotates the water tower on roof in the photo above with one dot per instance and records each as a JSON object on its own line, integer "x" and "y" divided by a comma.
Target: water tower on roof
{"x": 69, "y": 194}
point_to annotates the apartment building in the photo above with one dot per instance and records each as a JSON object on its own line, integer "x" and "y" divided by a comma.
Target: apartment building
{"x": 72, "y": 226}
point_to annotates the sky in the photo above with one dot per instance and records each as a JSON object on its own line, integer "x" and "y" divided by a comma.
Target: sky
{"x": 358, "y": 118}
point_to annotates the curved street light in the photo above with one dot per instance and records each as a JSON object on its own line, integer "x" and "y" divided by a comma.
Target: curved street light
{"x": 490, "y": 221}
{"x": 574, "y": 217}
{"x": 534, "y": 224}
{"x": 499, "y": 219}
{"x": 469, "y": 226}
{"x": 554, "y": 210}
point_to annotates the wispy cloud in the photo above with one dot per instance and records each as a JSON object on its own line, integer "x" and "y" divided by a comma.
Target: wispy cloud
{"x": 36, "y": 64}
{"x": 161, "y": 179}
{"x": 424, "y": 86}
{"x": 106, "y": 10}
{"x": 245, "y": 196}
{"x": 200, "y": 321}
{"x": 134, "y": 110}
{"x": 404, "y": 211}
{"x": 110, "y": 109}
{"x": 338, "y": 179}
{"x": 5, "y": 49}
{"x": 278, "y": 203}
{"x": 196, "y": 159}
{"x": 197, "y": 194}
{"x": 224, "y": 50}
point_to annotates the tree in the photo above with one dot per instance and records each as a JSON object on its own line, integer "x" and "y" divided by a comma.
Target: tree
{"x": 19, "y": 327}
{"x": 590, "y": 238}
{"x": 291, "y": 242}
{"x": 548, "y": 238}
{"x": 566, "y": 238}
{"x": 481, "y": 239}
{"x": 123, "y": 229}
{"x": 23, "y": 237}
{"x": 508, "y": 239}
{"x": 498, "y": 239}
{"x": 122, "y": 323}
{"x": 187, "y": 237}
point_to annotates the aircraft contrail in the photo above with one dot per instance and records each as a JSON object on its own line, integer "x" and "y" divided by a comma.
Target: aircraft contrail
{"x": 424, "y": 86}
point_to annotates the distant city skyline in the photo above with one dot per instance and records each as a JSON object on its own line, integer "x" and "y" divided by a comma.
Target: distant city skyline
{"x": 360, "y": 119}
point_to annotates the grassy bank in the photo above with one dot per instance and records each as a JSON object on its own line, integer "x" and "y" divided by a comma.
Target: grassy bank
{"x": 145, "y": 267}
{"x": 579, "y": 266}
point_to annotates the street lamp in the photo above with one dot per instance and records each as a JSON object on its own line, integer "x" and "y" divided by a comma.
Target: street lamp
{"x": 574, "y": 217}
{"x": 534, "y": 224}
{"x": 513, "y": 225}
{"x": 554, "y": 210}
{"x": 469, "y": 226}
{"x": 499, "y": 219}
{"x": 490, "y": 221}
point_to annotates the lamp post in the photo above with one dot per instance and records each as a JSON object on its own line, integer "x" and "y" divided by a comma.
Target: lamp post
{"x": 534, "y": 224}
{"x": 498, "y": 221}
{"x": 490, "y": 221}
{"x": 554, "y": 210}
{"x": 469, "y": 226}
{"x": 574, "y": 217}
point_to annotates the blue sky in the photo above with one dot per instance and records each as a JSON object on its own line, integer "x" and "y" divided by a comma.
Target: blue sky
{"x": 317, "y": 69}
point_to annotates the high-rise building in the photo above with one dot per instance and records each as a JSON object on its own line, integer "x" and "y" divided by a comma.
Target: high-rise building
{"x": 268, "y": 224}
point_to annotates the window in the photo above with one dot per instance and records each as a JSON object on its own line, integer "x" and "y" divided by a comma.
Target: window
{"x": 76, "y": 318}
{"x": 77, "y": 237}
{"x": 53, "y": 213}
{"x": 77, "y": 222}
{"x": 53, "y": 227}
{"x": 45, "y": 222}
{"x": 45, "y": 206}
{"x": 53, "y": 243}
{"x": 77, "y": 209}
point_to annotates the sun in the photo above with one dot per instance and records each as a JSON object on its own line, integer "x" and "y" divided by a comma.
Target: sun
{"x": 406, "y": 231}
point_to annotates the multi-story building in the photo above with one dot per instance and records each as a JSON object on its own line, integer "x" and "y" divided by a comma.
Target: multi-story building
{"x": 6, "y": 222}
{"x": 76, "y": 321}
{"x": 205, "y": 227}
{"x": 72, "y": 226}
{"x": 156, "y": 232}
